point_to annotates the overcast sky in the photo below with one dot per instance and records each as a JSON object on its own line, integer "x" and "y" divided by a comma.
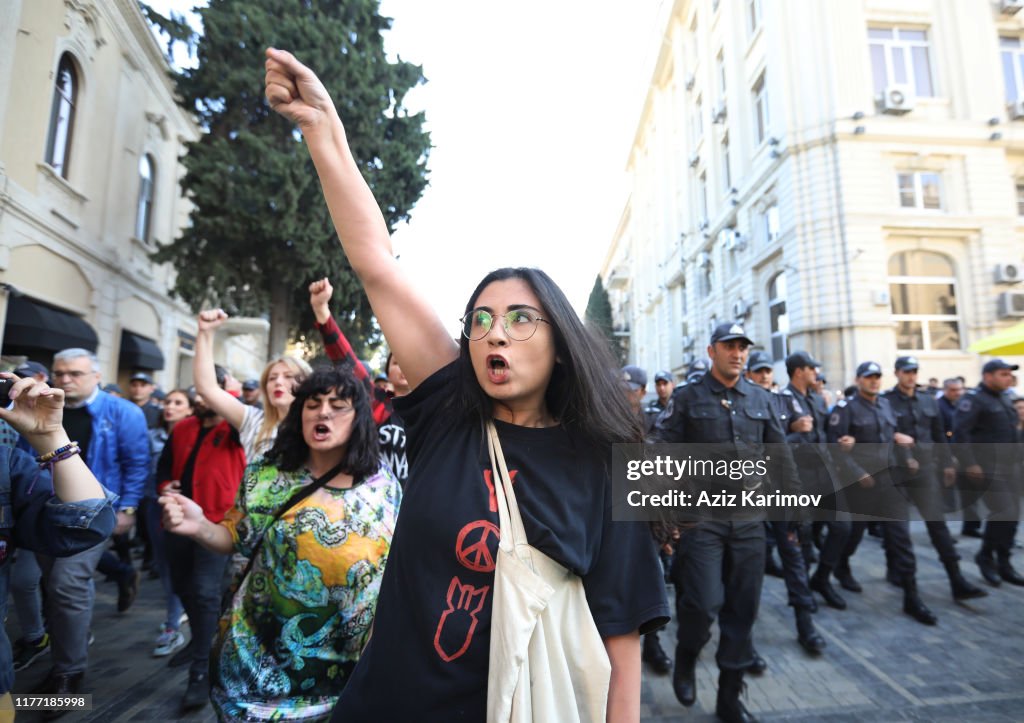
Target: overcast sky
{"x": 532, "y": 108}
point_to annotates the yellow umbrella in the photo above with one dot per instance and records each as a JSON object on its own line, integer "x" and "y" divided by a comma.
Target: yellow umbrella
{"x": 1008, "y": 342}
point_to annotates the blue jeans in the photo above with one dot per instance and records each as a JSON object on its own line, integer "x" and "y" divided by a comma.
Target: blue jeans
{"x": 157, "y": 540}
{"x": 25, "y": 580}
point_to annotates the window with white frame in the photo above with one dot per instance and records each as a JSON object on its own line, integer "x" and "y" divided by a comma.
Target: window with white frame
{"x": 707, "y": 275}
{"x": 726, "y": 172}
{"x": 922, "y": 287}
{"x": 900, "y": 56}
{"x": 697, "y": 121}
{"x": 62, "y": 116}
{"x": 753, "y": 15}
{"x": 777, "y": 316}
{"x": 772, "y": 227}
{"x": 1020, "y": 197}
{"x": 702, "y": 195}
{"x": 920, "y": 189}
{"x": 144, "y": 208}
{"x": 1011, "y": 52}
{"x": 720, "y": 75}
{"x": 760, "y": 97}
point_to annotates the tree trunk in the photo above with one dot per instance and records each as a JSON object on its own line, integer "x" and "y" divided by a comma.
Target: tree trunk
{"x": 280, "y": 303}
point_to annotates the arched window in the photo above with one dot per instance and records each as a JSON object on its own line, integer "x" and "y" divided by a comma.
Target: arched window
{"x": 922, "y": 286}
{"x": 144, "y": 211}
{"x": 62, "y": 116}
{"x": 778, "y": 316}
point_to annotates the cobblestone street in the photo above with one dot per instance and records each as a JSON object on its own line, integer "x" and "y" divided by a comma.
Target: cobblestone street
{"x": 879, "y": 666}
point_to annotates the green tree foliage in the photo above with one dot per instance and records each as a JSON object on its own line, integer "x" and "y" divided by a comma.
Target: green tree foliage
{"x": 599, "y": 316}
{"x": 260, "y": 230}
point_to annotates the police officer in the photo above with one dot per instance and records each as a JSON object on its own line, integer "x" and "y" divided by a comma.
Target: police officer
{"x": 636, "y": 387}
{"x": 918, "y": 416}
{"x": 794, "y": 568}
{"x": 817, "y": 468}
{"x": 865, "y": 427}
{"x": 697, "y": 369}
{"x": 986, "y": 415}
{"x": 664, "y": 384}
{"x": 719, "y": 563}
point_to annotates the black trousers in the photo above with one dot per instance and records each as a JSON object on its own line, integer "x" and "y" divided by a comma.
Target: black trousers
{"x": 1002, "y": 498}
{"x": 899, "y": 549}
{"x": 924, "y": 491}
{"x": 197, "y": 577}
{"x": 794, "y": 568}
{"x": 718, "y": 570}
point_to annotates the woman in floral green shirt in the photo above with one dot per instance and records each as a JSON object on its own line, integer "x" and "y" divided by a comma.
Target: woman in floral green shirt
{"x": 299, "y": 619}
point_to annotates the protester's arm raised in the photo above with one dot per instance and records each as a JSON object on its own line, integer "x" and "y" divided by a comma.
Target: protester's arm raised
{"x": 413, "y": 329}
{"x": 205, "y": 375}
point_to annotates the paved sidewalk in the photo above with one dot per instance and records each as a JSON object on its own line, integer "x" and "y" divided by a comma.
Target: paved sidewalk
{"x": 879, "y": 666}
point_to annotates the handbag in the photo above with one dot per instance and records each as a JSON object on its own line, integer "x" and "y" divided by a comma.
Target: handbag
{"x": 547, "y": 659}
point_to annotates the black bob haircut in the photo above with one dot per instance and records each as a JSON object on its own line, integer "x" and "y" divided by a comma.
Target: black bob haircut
{"x": 362, "y": 457}
{"x": 586, "y": 394}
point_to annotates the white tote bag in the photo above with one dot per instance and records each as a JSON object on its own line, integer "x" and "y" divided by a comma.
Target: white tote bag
{"x": 548, "y": 663}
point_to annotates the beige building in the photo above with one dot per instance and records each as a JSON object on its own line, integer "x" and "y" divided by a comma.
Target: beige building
{"x": 90, "y": 137}
{"x": 844, "y": 177}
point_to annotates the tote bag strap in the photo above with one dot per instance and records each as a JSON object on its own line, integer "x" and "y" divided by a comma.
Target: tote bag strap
{"x": 513, "y": 534}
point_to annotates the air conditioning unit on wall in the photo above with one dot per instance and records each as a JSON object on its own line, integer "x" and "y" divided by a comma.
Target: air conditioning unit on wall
{"x": 897, "y": 99}
{"x": 1011, "y": 305}
{"x": 740, "y": 309}
{"x": 1009, "y": 273}
{"x": 1015, "y": 110}
{"x": 1010, "y": 7}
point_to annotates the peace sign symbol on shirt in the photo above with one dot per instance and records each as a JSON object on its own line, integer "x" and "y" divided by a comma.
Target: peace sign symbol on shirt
{"x": 473, "y": 548}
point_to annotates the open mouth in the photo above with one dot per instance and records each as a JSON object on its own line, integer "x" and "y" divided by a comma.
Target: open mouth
{"x": 497, "y": 368}
{"x": 321, "y": 432}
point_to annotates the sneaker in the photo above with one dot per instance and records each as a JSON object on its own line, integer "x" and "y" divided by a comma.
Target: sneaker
{"x": 28, "y": 652}
{"x": 168, "y": 642}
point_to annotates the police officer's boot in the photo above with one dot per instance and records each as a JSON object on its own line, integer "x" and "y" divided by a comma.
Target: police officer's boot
{"x": 962, "y": 590}
{"x": 846, "y": 579}
{"x": 819, "y": 582}
{"x": 655, "y": 656}
{"x": 808, "y": 637}
{"x": 729, "y": 707}
{"x": 1006, "y": 571}
{"x": 988, "y": 569}
{"x": 684, "y": 677}
{"x": 913, "y": 606}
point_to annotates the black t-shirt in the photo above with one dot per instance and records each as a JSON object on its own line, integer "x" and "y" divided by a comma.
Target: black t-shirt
{"x": 431, "y": 632}
{"x": 391, "y": 437}
{"x": 78, "y": 425}
{"x": 154, "y": 414}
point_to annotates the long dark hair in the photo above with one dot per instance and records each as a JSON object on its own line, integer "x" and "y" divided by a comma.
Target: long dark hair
{"x": 362, "y": 457}
{"x": 585, "y": 393}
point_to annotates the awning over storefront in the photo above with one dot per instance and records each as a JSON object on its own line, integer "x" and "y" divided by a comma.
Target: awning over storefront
{"x": 32, "y": 324}
{"x": 138, "y": 352}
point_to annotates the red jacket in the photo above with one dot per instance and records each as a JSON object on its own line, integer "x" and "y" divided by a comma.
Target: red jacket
{"x": 218, "y": 469}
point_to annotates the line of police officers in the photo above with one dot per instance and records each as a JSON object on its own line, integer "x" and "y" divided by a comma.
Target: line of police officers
{"x": 888, "y": 450}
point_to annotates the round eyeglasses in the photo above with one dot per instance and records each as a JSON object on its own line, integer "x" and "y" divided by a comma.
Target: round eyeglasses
{"x": 519, "y": 324}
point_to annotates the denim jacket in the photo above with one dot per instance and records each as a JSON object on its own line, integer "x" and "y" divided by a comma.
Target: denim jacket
{"x": 33, "y": 518}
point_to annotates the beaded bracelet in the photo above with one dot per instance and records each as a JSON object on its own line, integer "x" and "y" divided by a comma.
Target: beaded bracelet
{"x": 46, "y": 461}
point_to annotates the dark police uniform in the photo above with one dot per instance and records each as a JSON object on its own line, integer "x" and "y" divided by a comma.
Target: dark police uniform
{"x": 985, "y": 432}
{"x": 918, "y": 416}
{"x": 873, "y": 425}
{"x": 652, "y": 410}
{"x": 818, "y": 474}
{"x": 719, "y": 565}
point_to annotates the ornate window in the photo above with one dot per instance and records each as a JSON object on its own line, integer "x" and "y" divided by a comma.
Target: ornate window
{"x": 62, "y": 116}
{"x": 144, "y": 210}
